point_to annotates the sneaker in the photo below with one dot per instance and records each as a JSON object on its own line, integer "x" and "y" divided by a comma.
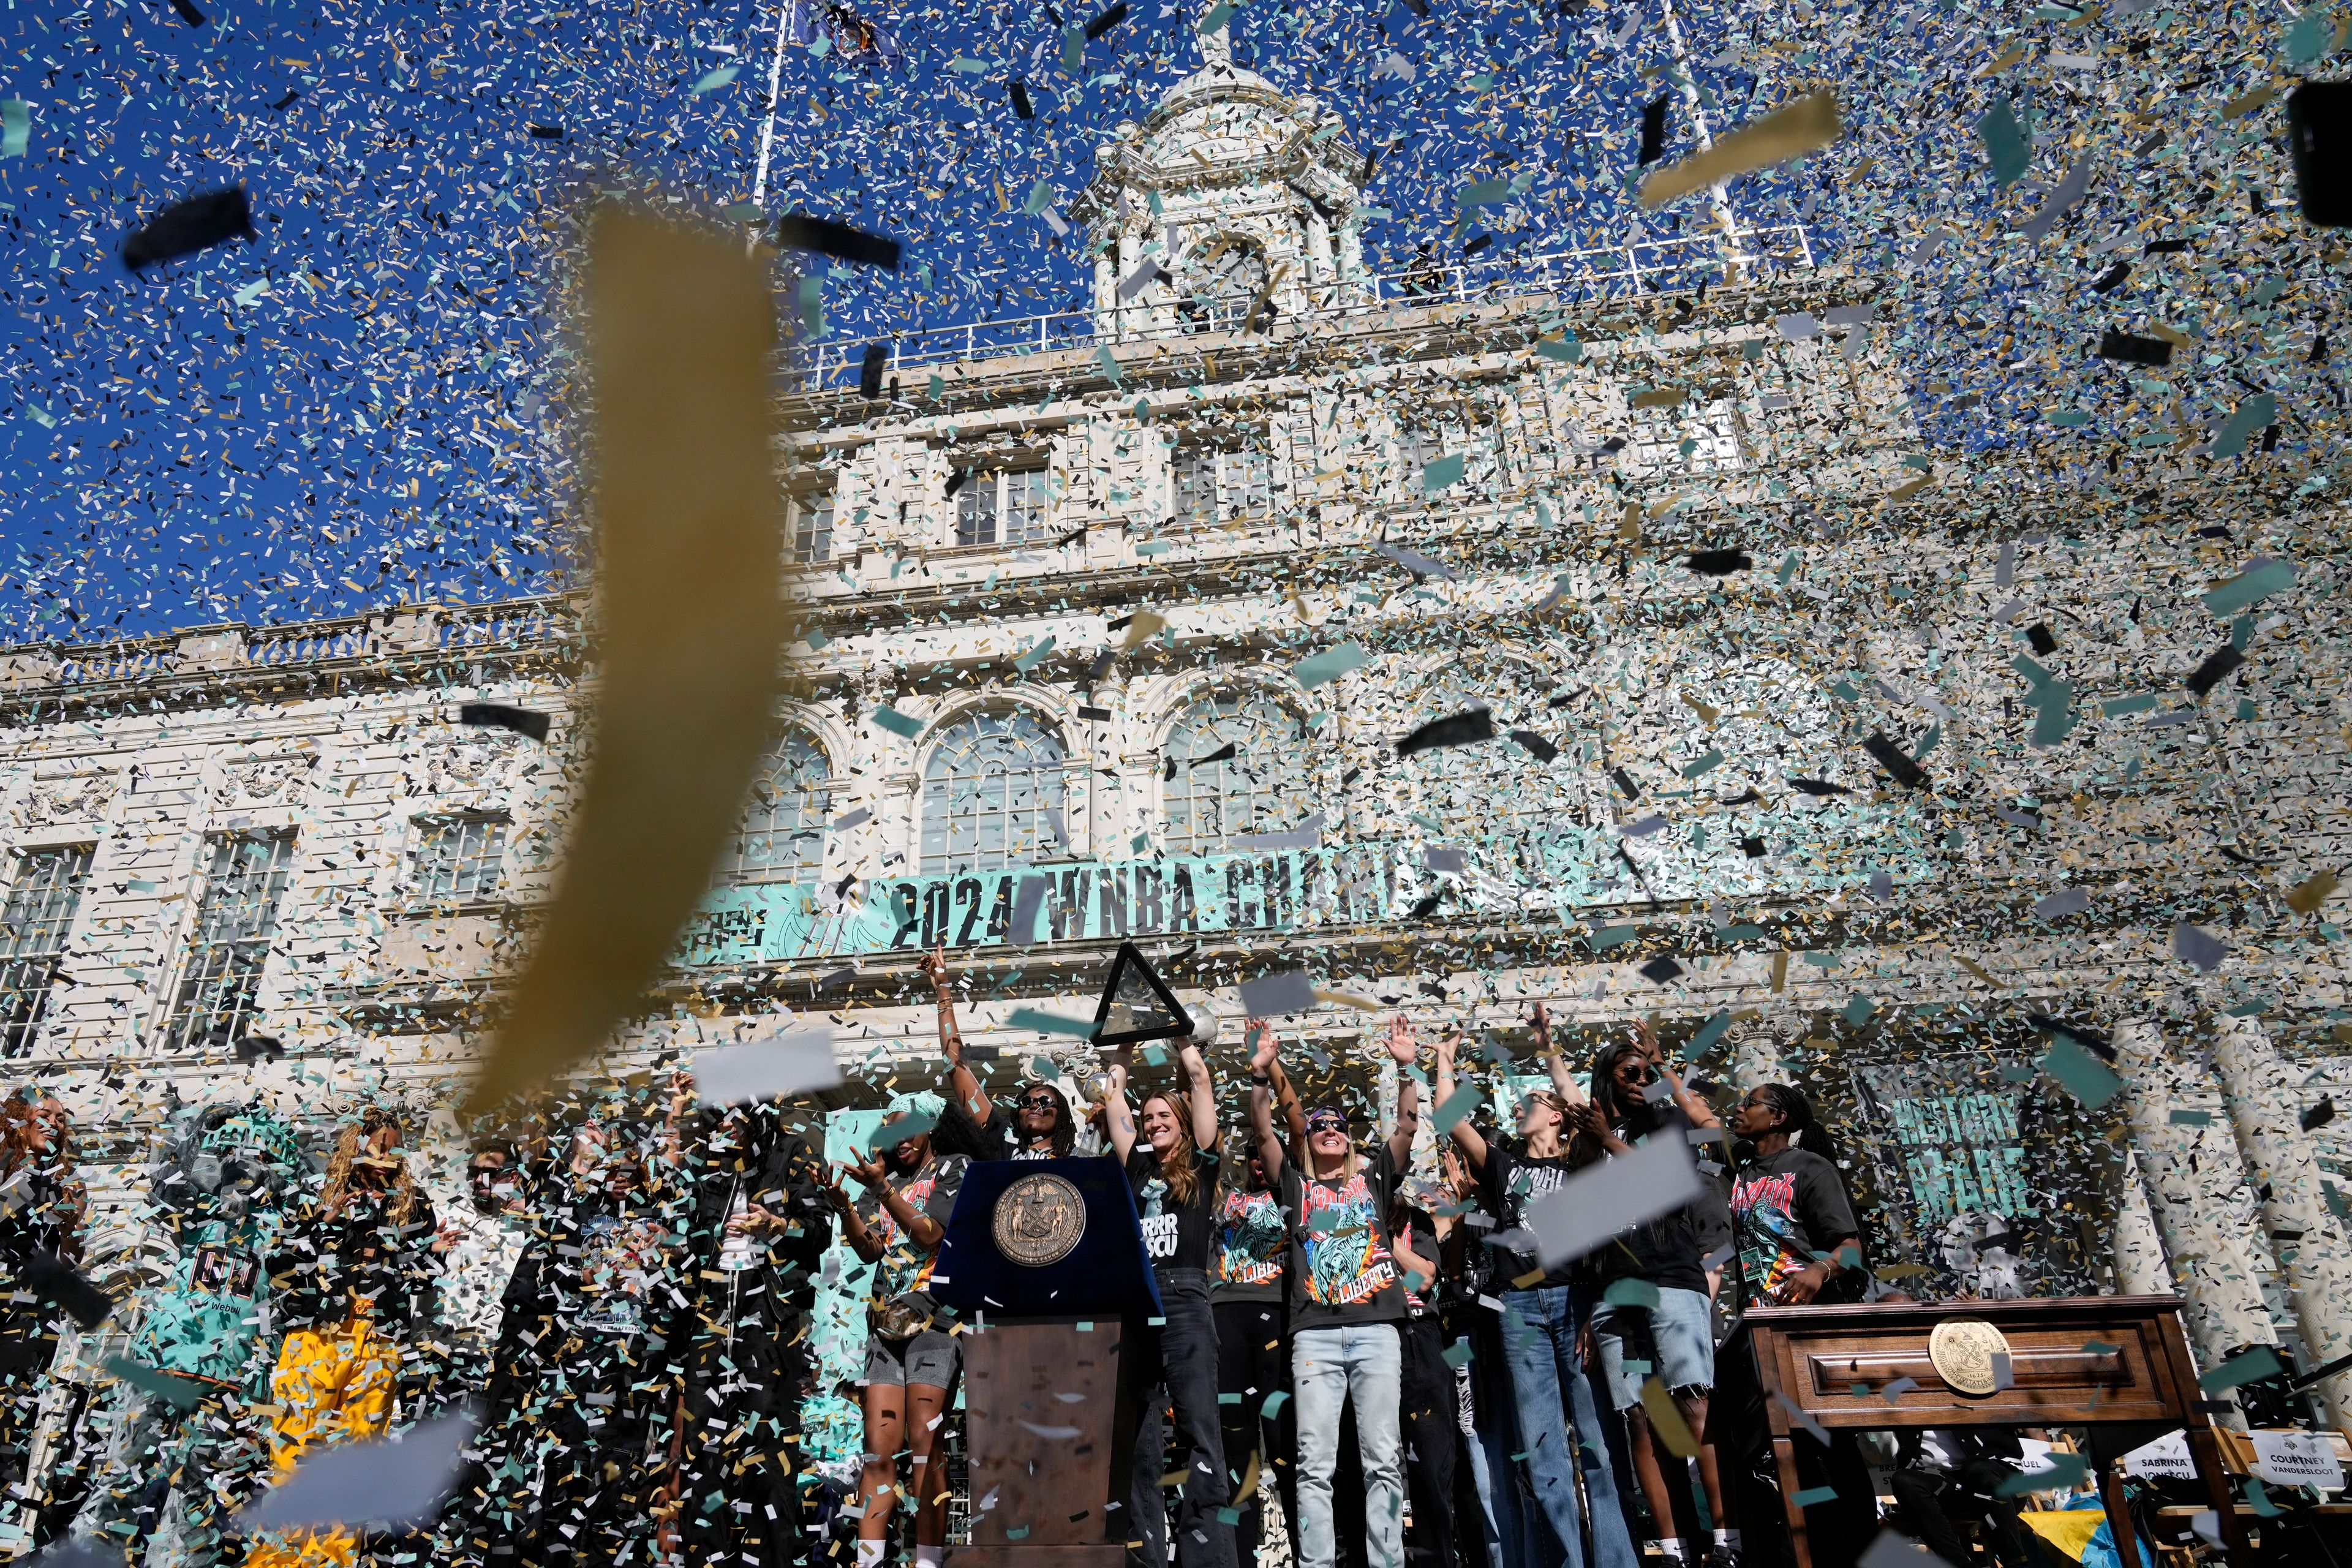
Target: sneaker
{"x": 1720, "y": 1557}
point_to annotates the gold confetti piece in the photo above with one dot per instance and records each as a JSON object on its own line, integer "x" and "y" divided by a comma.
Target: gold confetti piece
{"x": 1666, "y": 1420}
{"x": 1348, "y": 999}
{"x": 2015, "y": 52}
{"x": 2172, "y": 335}
{"x": 1972, "y": 969}
{"x": 1144, "y": 625}
{"x": 2303, "y": 899}
{"x": 1804, "y": 126}
{"x": 681, "y": 346}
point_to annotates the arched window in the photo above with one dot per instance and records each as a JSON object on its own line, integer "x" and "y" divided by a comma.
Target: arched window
{"x": 1222, "y": 284}
{"x": 993, "y": 795}
{"x": 782, "y": 835}
{"x": 1234, "y": 765}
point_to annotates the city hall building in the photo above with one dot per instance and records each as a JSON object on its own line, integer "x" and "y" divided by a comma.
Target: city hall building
{"x": 1842, "y": 759}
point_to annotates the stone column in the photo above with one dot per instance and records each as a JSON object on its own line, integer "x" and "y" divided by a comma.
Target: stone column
{"x": 2139, "y": 1264}
{"x": 2280, "y": 1158}
{"x": 2197, "y": 1189}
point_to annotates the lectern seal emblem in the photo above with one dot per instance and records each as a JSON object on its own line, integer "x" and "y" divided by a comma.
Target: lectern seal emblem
{"x": 1038, "y": 1220}
{"x": 1962, "y": 1351}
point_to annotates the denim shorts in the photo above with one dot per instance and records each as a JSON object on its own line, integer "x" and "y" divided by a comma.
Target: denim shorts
{"x": 929, "y": 1358}
{"x": 1673, "y": 1342}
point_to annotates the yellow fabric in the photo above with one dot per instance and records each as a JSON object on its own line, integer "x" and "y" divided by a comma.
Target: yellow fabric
{"x": 2070, "y": 1529}
{"x": 330, "y": 1386}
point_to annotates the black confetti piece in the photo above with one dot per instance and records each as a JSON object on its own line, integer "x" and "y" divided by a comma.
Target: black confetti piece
{"x": 1817, "y": 787}
{"x": 1106, "y": 21}
{"x": 1752, "y": 847}
{"x": 1454, "y": 729}
{"x": 2044, "y": 639}
{"x": 291, "y": 94}
{"x": 1020, "y": 93}
{"x": 499, "y": 716}
{"x": 2215, "y": 669}
{"x": 2318, "y": 1115}
{"x": 1893, "y": 758}
{"x": 188, "y": 13}
{"x": 547, "y": 133}
{"x": 2132, "y": 349}
{"x": 2083, "y": 1035}
{"x": 186, "y": 228}
{"x": 1718, "y": 562}
{"x": 870, "y": 369}
{"x": 1225, "y": 753}
{"x": 2319, "y": 136}
{"x": 61, "y": 1284}
{"x": 798, "y": 231}
{"x": 1661, "y": 969}
{"x": 1625, "y": 784}
{"x": 1653, "y": 130}
{"x": 2110, "y": 280}
{"x": 1534, "y": 745}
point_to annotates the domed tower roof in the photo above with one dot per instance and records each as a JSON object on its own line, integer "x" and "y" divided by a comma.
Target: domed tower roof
{"x": 1233, "y": 202}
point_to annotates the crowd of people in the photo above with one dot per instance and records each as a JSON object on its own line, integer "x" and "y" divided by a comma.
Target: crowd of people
{"x": 624, "y": 1303}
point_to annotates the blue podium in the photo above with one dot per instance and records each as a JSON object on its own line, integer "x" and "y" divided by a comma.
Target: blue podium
{"x": 1044, "y": 1265}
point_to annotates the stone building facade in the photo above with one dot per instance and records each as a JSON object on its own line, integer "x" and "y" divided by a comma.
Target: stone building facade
{"x": 1121, "y": 619}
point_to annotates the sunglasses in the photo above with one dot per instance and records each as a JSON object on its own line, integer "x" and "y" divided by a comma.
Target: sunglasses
{"x": 1327, "y": 1124}
{"x": 1037, "y": 1102}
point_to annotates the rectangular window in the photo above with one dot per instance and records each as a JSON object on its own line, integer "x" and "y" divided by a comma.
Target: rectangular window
{"x": 1682, "y": 439}
{"x": 234, "y": 924}
{"x": 1214, "y": 487}
{"x": 811, "y": 529}
{"x": 458, "y": 857}
{"x": 1007, "y": 507}
{"x": 42, "y": 901}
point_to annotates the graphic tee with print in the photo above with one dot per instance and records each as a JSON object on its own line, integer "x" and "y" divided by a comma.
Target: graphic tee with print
{"x": 1251, "y": 1239}
{"x": 1174, "y": 1236}
{"x": 905, "y": 1268}
{"x": 1514, "y": 1183}
{"x": 621, "y": 1257}
{"x": 1341, "y": 1272}
{"x": 1786, "y": 1208}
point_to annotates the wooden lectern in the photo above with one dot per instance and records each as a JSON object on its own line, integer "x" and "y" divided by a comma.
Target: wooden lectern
{"x": 2083, "y": 1361}
{"x": 1044, "y": 1264}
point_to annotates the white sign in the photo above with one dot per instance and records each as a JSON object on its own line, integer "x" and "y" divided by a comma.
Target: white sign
{"x": 2297, "y": 1459}
{"x": 2167, "y": 1456}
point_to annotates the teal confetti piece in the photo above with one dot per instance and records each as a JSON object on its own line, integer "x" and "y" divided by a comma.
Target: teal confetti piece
{"x": 1229, "y": 1515}
{"x": 1608, "y": 937}
{"x": 713, "y": 81}
{"x": 1109, "y": 362}
{"x": 969, "y": 66}
{"x": 2251, "y": 1367}
{"x": 2191, "y": 1118}
{"x": 816, "y": 640}
{"x": 1858, "y": 1011}
{"x": 1328, "y": 665}
{"x": 1028, "y": 661}
{"x": 1564, "y": 348}
{"x": 2004, "y": 143}
{"x": 252, "y": 291}
{"x": 1018, "y": 1532}
{"x": 1222, "y": 13}
{"x": 16, "y": 127}
{"x": 1813, "y": 1497}
{"x": 2242, "y": 591}
{"x": 2259, "y": 1498}
{"x": 1632, "y": 1293}
{"x": 176, "y": 1391}
{"x": 1274, "y": 1402}
{"x": 1085, "y": 1328}
{"x": 1715, "y": 1027}
{"x": 897, "y": 723}
{"x": 2053, "y": 713}
{"x": 1457, "y": 1354}
{"x": 2309, "y": 37}
{"x": 1483, "y": 193}
{"x": 1051, "y": 1023}
{"x": 1929, "y": 742}
{"x": 2035, "y": 674}
{"x": 1457, "y": 1105}
{"x": 2123, "y": 705}
{"x": 1229, "y": 1399}
{"x": 2080, "y": 1073}
{"x": 2253, "y": 414}
{"x": 1712, "y": 759}
{"x": 1788, "y": 568}
{"x": 1440, "y": 472}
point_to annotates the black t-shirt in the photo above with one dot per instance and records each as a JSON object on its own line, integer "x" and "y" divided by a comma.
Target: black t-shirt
{"x": 1175, "y": 1235}
{"x": 1341, "y": 1272}
{"x": 1788, "y": 1207}
{"x": 1665, "y": 1252}
{"x": 1513, "y": 1183}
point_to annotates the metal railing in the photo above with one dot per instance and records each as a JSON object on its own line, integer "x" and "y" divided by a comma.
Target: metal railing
{"x": 1597, "y": 273}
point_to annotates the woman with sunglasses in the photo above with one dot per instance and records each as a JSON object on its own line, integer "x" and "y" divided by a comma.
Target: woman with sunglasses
{"x": 1544, "y": 1309}
{"x": 911, "y": 1361}
{"x": 1041, "y": 1126}
{"x": 1172, "y": 1165}
{"x": 1347, "y": 1298}
{"x": 1667, "y": 1330}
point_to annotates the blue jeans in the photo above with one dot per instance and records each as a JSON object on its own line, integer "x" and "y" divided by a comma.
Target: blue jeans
{"x": 1361, "y": 1365}
{"x": 1540, "y": 1346}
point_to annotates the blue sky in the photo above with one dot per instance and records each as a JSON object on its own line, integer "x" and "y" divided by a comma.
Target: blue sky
{"x": 365, "y": 406}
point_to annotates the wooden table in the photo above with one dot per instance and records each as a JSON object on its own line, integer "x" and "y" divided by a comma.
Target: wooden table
{"x": 2083, "y": 1361}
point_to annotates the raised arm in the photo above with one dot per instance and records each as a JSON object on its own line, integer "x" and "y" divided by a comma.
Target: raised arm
{"x": 1404, "y": 1049}
{"x": 1467, "y": 1138}
{"x": 1563, "y": 1082}
{"x": 1269, "y": 1148}
{"x": 1201, "y": 1097}
{"x": 1286, "y": 1100}
{"x": 861, "y": 1240}
{"x": 1699, "y": 1113}
{"x": 1119, "y": 1116}
{"x": 961, "y": 1083}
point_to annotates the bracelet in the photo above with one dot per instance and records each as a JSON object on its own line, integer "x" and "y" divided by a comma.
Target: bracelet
{"x": 1263, "y": 1080}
